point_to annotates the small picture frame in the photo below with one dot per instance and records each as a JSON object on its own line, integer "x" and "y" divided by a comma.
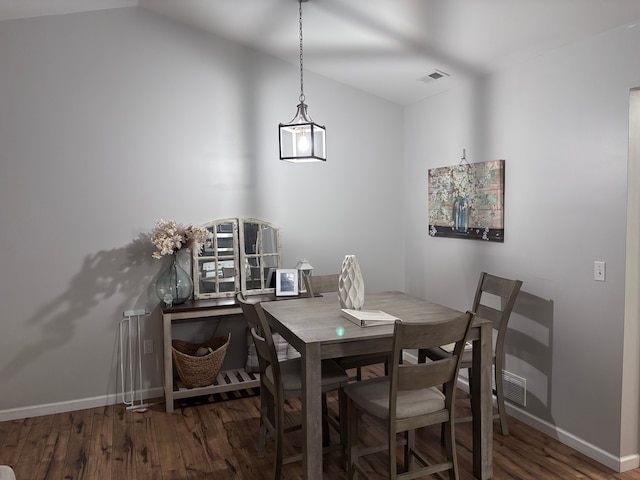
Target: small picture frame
{"x": 286, "y": 282}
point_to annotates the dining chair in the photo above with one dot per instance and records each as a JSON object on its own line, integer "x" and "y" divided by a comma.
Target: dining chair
{"x": 285, "y": 351}
{"x": 250, "y": 313}
{"x": 281, "y": 380}
{"x": 490, "y": 290}
{"x": 319, "y": 284}
{"x": 409, "y": 398}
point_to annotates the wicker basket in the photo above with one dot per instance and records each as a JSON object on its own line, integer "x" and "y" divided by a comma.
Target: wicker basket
{"x": 199, "y": 371}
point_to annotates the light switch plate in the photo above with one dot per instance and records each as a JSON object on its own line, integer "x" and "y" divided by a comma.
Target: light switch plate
{"x": 599, "y": 271}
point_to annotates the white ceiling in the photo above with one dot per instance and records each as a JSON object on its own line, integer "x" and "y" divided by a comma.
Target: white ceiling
{"x": 384, "y": 46}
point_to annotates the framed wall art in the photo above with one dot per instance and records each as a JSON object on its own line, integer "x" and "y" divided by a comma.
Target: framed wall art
{"x": 467, "y": 201}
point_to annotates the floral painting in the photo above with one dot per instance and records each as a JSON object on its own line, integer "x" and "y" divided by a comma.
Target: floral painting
{"x": 467, "y": 201}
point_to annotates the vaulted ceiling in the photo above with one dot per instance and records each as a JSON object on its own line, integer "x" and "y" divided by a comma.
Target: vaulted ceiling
{"x": 384, "y": 47}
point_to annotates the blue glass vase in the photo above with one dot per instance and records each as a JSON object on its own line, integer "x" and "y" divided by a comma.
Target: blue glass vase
{"x": 460, "y": 215}
{"x": 174, "y": 286}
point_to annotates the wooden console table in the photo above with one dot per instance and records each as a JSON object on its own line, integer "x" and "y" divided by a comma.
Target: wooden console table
{"x": 229, "y": 380}
{"x": 226, "y": 381}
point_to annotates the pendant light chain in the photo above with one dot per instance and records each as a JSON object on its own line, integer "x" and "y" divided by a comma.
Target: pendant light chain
{"x": 301, "y": 61}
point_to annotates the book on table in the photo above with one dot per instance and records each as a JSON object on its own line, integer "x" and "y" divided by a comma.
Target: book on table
{"x": 368, "y": 318}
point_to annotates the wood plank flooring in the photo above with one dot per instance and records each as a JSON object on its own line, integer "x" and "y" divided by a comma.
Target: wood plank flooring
{"x": 216, "y": 438}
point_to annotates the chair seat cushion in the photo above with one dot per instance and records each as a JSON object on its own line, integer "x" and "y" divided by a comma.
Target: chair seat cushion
{"x": 290, "y": 371}
{"x": 373, "y": 397}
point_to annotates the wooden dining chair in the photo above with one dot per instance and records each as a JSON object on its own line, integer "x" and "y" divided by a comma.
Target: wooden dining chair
{"x": 319, "y": 284}
{"x": 250, "y": 314}
{"x": 494, "y": 290}
{"x": 409, "y": 398}
{"x": 281, "y": 380}
{"x": 285, "y": 351}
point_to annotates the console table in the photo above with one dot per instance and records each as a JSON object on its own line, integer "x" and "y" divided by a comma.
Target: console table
{"x": 228, "y": 380}
{"x": 191, "y": 310}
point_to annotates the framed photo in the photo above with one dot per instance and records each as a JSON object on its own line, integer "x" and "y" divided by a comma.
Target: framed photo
{"x": 286, "y": 281}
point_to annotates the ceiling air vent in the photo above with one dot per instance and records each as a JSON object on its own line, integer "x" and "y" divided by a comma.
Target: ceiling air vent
{"x": 434, "y": 75}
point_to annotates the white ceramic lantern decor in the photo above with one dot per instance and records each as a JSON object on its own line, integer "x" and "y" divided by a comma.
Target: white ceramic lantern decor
{"x": 305, "y": 269}
{"x": 351, "y": 284}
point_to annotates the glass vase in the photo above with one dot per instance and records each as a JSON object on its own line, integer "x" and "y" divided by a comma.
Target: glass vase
{"x": 460, "y": 215}
{"x": 351, "y": 284}
{"x": 174, "y": 285}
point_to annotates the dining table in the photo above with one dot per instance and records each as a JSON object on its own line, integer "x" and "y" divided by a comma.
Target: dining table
{"x": 316, "y": 328}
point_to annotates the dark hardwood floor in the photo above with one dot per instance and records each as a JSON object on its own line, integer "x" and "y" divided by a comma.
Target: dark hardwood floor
{"x": 216, "y": 438}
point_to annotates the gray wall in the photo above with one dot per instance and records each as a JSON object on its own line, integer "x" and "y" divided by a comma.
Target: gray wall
{"x": 561, "y": 123}
{"x": 112, "y": 119}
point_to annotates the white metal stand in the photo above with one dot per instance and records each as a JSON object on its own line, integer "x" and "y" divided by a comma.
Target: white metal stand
{"x": 130, "y": 359}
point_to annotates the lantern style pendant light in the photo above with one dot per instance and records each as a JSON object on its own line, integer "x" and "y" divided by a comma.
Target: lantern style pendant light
{"x": 301, "y": 139}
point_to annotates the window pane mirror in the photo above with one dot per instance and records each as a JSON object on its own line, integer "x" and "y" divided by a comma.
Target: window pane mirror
{"x": 215, "y": 267}
{"x": 242, "y": 255}
{"x": 260, "y": 255}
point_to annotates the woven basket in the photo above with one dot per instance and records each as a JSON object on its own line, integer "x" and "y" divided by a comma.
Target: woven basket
{"x": 199, "y": 371}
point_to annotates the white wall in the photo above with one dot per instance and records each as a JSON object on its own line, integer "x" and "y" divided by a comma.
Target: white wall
{"x": 561, "y": 124}
{"x": 109, "y": 120}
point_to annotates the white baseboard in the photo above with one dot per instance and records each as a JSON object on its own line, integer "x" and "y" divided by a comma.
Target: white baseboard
{"x": 71, "y": 405}
{"x": 619, "y": 464}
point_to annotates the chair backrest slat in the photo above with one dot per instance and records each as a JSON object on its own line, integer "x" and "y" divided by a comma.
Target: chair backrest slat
{"x": 428, "y": 335}
{"x": 262, "y": 349}
{"x": 489, "y": 313}
{"x": 321, "y": 284}
{"x": 412, "y": 377}
{"x": 504, "y": 288}
{"x": 432, "y": 334}
{"x": 248, "y": 311}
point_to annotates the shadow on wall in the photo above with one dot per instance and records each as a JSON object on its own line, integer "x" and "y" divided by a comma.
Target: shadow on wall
{"x": 530, "y": 341}
{"x": 127, "y": 272}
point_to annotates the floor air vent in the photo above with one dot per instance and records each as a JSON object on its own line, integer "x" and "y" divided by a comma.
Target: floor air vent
{"x": 515, "y": 388}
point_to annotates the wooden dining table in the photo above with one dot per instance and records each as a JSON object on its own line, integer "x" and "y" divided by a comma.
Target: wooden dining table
{"x": 316, "y": 328}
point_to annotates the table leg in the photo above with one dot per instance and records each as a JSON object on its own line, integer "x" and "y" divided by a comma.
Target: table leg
{"x": 482, "y": 404}
{"x": 312, "y": 412}
{"x": 168, "y": 364}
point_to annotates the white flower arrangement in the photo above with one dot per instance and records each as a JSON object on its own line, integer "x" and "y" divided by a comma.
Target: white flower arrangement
{"x": 169, "y": 237}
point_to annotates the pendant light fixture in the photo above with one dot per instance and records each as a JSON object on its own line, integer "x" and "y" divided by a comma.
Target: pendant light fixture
{"x": 301, "y": 139}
